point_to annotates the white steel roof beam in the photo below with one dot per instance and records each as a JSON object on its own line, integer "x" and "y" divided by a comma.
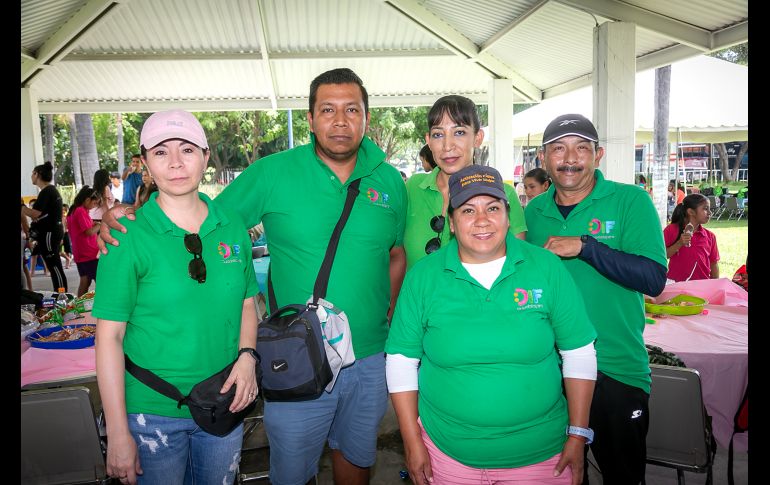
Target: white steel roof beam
{"x": 509, "y": 28}
{"x": 463, "y": 46}
{"x": 63, "y": 41}
{"x": 666, "y": 26}
{"x": 257, "y": 56}
{"x": 267, "y": 69}
{"x": 736, "y": 34}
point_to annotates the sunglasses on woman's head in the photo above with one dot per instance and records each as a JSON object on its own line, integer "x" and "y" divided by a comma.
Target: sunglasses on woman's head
{"x": 436, "y": 225}
{"x": 196, "y": 268}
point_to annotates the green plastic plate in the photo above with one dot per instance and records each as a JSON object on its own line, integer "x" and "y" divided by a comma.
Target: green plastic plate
{"x": 673, "y": 306}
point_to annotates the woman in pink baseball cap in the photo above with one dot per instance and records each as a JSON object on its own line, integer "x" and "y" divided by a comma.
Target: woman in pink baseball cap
{"x": 177, "y": 299}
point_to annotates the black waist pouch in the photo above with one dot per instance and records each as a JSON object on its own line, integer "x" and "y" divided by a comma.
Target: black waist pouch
{"x": 209, "y": 409}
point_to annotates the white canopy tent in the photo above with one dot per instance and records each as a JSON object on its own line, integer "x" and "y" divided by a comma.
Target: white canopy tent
{"x": 708, "y": 104}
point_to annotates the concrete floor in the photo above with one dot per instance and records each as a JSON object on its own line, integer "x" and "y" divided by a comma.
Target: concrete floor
{"x": 390, "y": 454}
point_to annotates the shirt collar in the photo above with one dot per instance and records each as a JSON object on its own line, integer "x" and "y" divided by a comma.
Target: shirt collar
{"x": 601, "y": 189}
{"x": 429, "y": 181}
{"x": 368, "y": 158}
{"x": 513, "y": 255}
{"x": 161, "y": 224}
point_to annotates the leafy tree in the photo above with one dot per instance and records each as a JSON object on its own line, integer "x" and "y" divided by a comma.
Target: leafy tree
{"x": 738, "y": 54}
{"x": 397, "y": 130}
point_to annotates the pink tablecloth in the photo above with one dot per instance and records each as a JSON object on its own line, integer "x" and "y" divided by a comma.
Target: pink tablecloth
{"x": 43, "y": 365}
{"x": 721, "y": 291}
{"x": 716, "y": 345}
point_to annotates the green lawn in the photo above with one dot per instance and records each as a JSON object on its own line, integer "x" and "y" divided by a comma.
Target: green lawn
{"x": 733, "y": 242}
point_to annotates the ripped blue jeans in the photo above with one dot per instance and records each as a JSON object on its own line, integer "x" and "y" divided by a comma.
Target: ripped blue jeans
{"x": 175, "y": 451}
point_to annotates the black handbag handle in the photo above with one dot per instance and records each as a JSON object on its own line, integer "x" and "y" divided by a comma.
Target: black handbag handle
{"x": 322, "y": 280}
{"x": 151, "y": 380}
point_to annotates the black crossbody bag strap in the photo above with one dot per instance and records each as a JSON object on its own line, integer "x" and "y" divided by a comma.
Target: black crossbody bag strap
{"x": 322, "y": 280}
{"x": 151, "y": 380}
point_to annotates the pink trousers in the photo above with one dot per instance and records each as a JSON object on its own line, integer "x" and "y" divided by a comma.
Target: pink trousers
{"x": 448, "y": 471}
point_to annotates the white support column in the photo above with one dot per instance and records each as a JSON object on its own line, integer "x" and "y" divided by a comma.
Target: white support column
{"x": 31, "y": 140}
{"x": 501, "y": 127}
{"x": 614, "y": 92}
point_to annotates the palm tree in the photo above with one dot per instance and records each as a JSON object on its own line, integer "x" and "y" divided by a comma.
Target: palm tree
{"x": 75, "y": 151}
{"x": 48, "y": 154}
{"x": 121, "y": 148}
{"x": 89, "y": 160}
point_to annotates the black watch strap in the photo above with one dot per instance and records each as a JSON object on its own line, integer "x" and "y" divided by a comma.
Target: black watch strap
{"x": 250, "y": 351}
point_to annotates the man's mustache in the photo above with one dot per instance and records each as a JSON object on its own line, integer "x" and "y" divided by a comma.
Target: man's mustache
{"x": 569, "y": 168}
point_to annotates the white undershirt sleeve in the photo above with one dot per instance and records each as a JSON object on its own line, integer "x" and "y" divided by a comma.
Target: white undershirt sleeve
{"x": 401, "y": 373}
{"x": 579, "y": 363}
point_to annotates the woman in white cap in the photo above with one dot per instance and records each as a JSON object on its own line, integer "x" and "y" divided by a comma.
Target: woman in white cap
{"x": 482, "y": 318}
{"x": 178, "y": 302}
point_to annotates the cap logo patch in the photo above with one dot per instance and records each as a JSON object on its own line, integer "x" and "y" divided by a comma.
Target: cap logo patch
{"x": 174, "y": 123}
{"x": 477, "y": 177}
{"x": 568, "y": 122}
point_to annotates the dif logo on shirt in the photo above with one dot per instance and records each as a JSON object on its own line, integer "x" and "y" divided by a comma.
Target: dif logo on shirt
{"x": 377, "y": 198}
{"x": 601, "y": 230}
{"x": 229, "y": 252}
{"x": 527, "y": 299}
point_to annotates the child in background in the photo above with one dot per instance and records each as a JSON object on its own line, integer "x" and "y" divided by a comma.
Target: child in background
{"x": 83, "y": 231}
{"x": 536, "y": 181}
{"x": 690, "y": 247}
{"x": 741, "y": 277}
{"x": 66, "y": 246}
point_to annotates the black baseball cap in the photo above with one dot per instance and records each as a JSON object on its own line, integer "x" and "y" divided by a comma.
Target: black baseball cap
{"x": 475, "y": 180}
{"x": 570, "y": 125}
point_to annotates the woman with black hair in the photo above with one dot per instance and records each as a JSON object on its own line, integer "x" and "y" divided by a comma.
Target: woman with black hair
{"x": 83, "y": 231}
{"x": 691, "y": 248}
{"x": 105, "y": 199}
{"x": 454, "y": 132}
{"x": 46, "y": 228}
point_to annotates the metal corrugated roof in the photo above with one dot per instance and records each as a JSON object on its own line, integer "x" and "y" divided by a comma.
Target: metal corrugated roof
{"x": 98, "y": 54}
{"x": 179, "y": 26}
{"x": 339, "y": 25}
{"x": 40, "y": 19}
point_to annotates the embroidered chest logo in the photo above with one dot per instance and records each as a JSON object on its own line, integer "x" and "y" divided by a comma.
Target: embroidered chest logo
{"x": 527, "y": 299}
{"x": 601, "y": 230}
{"x": 229, "y": 253}
{"x": 377, "y": 197}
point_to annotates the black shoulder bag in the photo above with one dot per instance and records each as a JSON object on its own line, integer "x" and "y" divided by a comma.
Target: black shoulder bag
{"x": 293, "y": 362}
{"x": 209, "y": 409}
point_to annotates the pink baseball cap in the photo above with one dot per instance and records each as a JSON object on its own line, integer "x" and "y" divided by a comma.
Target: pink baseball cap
{"x": 175, "y": 123}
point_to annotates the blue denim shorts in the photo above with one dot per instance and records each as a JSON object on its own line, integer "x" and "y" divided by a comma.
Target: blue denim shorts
{"x": 348, "y": 418}
{"x": 175, "y": 451}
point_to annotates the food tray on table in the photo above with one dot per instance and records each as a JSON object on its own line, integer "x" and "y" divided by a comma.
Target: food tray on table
{"x": 678, "y": 305}
{"x": 79, "y": 343}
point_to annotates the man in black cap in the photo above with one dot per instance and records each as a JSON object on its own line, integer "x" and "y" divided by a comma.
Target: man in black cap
{"x": 609, "y": 238}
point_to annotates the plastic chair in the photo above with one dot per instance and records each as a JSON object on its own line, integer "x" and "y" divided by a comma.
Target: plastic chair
{"x": 740, "y": 425}
{"x": 716, "y": 209}
{"x": 250, "y": 424}
{"x": 60, "y": 441}
{"x": 732, "y": 209}
{"x": 679, "y": 435}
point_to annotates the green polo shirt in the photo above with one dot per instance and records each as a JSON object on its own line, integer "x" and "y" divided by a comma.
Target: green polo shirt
{"x": 623, "y": 217}
{"x": 425, "y": 201}
{"x": 299, "y": 200}
{"x": 182, "y": 330}
{"x": 490, "y": 384}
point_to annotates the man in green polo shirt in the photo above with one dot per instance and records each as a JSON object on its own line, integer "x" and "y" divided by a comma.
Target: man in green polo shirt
{"x": 609, "y": 238}
{"x": 298, "y": 195}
